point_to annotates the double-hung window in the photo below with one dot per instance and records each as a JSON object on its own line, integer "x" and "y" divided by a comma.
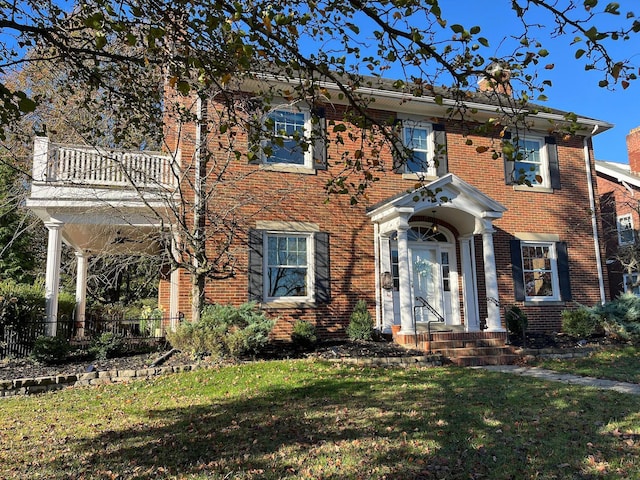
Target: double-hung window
{"x": 533, "y": 162}
{"x": 631, "y": 284}
{"x": 287, "y": 270}
{"x": 540, "y": 271}
{"x": 287, "y": 134}
{"x": 624, "y": 225}
{"x": 417, "y": 137}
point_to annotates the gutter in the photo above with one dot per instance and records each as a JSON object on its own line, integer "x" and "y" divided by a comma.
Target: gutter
{"x": 594, "y": 217}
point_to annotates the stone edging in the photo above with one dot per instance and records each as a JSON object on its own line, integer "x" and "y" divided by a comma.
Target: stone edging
{"x": 29, "y": 386}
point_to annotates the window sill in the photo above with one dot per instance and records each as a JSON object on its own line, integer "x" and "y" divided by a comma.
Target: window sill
{"x": 288, "y": 168}
{"x": 525, "y": 188}
{"x": 288, "y": 305}
{"x": 543, "y": 303}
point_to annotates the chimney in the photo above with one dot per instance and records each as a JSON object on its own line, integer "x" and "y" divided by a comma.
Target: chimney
{"x": 496, "y": 79}
{"x": 633, "y": 149}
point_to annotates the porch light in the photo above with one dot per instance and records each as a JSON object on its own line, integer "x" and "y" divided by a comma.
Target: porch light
{"x": 434, "y": 224}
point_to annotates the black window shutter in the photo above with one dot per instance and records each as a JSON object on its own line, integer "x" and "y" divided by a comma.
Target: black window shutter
{"x": 516, "y": 270}
{"x": 398, "y": 147}
{"x": 255, "y": 268}
{"x": 318, "y": 135}
{"x": 563, "y": 271}
{"x": 440, "y": 154}
{"x": 509, "y": 165}
{"x": 552, "y": 155}
{"x": 254, "y": 129}
{"x": 323, "y": 278}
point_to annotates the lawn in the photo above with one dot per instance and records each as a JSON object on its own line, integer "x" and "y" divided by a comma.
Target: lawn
{"x": 310, "y": 420}
{"x": 621, "y": 364}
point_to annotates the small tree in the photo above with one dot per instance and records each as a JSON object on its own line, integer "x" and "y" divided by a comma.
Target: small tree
{"x": 361, "y": 323}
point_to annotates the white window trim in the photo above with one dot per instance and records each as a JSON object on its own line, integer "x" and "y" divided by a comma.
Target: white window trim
{"x": 555, "y": 275}
{"x": 308, "y": 154}
{"x": 432, "y": 171}
{"x": 310, "y": 297}
{"x": 544, "y": 166}
{"x": 619, "y": 228}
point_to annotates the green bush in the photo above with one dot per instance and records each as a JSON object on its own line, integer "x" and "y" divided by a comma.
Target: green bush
{"x": 150, "y": 320}
{"x": 50, "y": 350}
{"x": 620, "y": 318}
{"x": 580, "y": 323}
{"x": 224, "y": 330}
{"x": 21, "y": 304}
{"x": 516, "y": 320}
{"x": 304, "y": 334}
{"x": 361, "y": 323}
{"x": 107, "y": 345}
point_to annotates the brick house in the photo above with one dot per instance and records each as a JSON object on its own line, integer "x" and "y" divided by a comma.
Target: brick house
{"x": 477, "y": 242}
{"x": 619, "y": 190}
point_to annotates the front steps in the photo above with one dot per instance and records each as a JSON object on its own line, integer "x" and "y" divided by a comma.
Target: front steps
{"x": 460, "y": 347}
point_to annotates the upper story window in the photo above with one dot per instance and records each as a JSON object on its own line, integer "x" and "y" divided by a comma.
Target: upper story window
{"x": 289, "y": 138}
{"x": 423, "y": 149}
{"x": 624, "y": 225}
{"x": 288, "y": 134}
{"x": 534, "y": 162}
{"x": 417, "y": 137}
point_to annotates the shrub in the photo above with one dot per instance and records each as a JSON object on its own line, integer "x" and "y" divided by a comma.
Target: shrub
{"x": 107, "y": 345}
{"x": 50, "y": 350}
{"x": 360, "y": 324}
{"x": 620, "y": 318}
{"x": 21, "y": 304}
{"x": 224, "y": 330}
{"x": 150, "y": 320}
{"x": 516, "y": 320}
{"x": 304, "y": 334}
{"x": 581, "y": 322}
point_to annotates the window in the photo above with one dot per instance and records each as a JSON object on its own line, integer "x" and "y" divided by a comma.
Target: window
{"x": 624, "y": 225}
{"x": 631, "y": 283}
{"x": 417, "y": 138}
{"x": 540, "y": 271}
{"x": 288, "y": 133}
{"x": 289, "y": 266}
{"x": 534, "y": 162}
{"x": 428, "y": 145}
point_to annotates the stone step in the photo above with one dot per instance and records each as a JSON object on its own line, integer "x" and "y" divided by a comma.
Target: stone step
{"x": 476, "y": 361}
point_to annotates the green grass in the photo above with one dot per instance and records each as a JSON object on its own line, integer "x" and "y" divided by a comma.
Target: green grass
{"x": 621, "y": 364}
{"x": 305, "y": 420}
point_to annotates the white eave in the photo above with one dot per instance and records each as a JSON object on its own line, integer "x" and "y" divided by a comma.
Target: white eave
{"x": 620, "y": 171}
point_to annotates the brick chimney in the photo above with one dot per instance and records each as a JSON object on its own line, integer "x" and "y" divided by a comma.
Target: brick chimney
{"x": 496, "y": 79}
{"x": 633, "y": 150}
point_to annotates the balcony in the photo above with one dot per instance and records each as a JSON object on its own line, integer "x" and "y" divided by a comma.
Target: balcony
{"x": 103, "y": 200}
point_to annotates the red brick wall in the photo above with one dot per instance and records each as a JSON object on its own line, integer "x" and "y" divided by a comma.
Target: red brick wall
{"x": 269, "y": 195}
{"x": 633, "y": 149}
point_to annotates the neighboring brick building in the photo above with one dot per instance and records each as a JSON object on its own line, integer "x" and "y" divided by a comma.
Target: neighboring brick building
{"x": 619, "y": 190}
{"x": 483, "y": 242}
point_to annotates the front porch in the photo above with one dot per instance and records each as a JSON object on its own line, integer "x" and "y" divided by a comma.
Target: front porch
{"x": 98, "y": 201}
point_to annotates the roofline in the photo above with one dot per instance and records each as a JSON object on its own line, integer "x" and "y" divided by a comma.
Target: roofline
{"x": 590, "y": 126}
{"x": 603, "y": 167}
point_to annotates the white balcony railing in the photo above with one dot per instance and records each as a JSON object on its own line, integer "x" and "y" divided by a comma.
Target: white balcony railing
{"x": 79, "y": 165}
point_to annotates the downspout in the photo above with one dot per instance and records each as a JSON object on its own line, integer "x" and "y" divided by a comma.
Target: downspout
{"x": 594, "y": 217}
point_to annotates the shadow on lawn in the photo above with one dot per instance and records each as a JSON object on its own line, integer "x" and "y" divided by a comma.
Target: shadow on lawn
{"x": 409, "y": 424}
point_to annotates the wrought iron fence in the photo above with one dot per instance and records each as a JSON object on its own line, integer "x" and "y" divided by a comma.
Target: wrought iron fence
{"x": 17, "y": 341}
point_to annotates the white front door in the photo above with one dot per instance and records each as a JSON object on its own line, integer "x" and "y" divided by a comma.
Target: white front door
{"x": 434, "y": 279}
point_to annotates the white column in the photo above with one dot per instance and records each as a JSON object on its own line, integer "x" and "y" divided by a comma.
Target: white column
{"x": 490, "y": 277}
{"x": 174, "y": 289}
{"x": 81, "y": 291}
{"x": 469, "y": 284}
{"x": 406, "y": 304}
{"x": 52, "y": 278}
{"x": 41, "y": 159}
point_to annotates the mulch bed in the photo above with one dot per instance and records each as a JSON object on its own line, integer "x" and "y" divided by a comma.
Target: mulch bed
{"x": 27, "y": 368}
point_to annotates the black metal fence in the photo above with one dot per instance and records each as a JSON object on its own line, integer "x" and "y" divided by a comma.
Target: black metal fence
{"x": 17, "y": 341}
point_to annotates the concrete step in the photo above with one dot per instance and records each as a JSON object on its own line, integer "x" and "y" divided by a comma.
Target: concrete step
{"x": 476, "y": 361}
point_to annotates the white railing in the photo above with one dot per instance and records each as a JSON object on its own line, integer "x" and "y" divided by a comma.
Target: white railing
{"x": 96, "y": 166}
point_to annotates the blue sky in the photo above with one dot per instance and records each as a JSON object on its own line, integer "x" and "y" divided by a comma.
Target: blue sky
{"x": 573, "y": 89}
